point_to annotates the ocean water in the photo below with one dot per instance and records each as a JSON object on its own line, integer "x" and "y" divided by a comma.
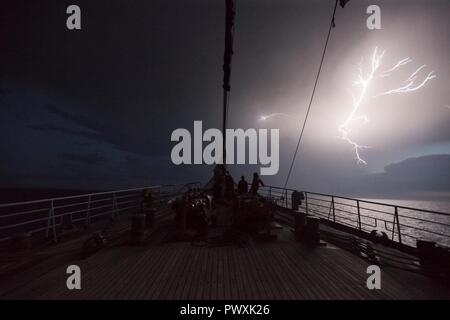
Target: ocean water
{"x": 438, "y": 205}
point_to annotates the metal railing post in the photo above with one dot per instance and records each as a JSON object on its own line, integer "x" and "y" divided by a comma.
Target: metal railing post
{"x": 115, "y": 212}
{"x": 71, "y": 219}
{"x": 286, "y": 200}
{"x": 334, "y": 211}
{"x": 398, "y": 225}
{"x": 329, "y": 210}
{"x": 306, "y": 202}
{"x": 88, "y": 212}
{"x": 51, "y": 220}
{"x": 359, "y": 214}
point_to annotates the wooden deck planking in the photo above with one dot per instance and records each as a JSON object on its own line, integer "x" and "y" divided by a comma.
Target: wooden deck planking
{"x": 283, "y": 269}
{"x": 263, "y": 276}
{"x": 284, "y": 287}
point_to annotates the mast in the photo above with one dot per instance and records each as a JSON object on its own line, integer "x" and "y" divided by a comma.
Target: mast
{"x": 227, "y": 57}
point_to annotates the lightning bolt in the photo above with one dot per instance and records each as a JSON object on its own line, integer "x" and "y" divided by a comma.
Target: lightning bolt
{"x": 402, "y": 62}
{"x": 411, "y": 86}
{"x": 272, "y": 115}
{"x": 362, "y": 83}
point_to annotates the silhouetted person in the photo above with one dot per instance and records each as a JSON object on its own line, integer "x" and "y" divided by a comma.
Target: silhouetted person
{"x": 296, "y": 199}
{"x": 242, "y": 186}
{"x": 229, "y": 185}
{"x": 255, "y": 184}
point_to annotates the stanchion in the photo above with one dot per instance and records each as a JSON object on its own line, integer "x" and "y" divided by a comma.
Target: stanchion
{"x": 300, "y": 224}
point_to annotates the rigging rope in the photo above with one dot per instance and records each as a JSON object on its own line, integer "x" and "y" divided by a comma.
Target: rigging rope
{"x": 312, "y": 95}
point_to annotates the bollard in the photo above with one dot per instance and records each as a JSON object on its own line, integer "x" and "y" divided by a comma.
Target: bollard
{"x": 138, "y": 228}
{"x": 21, "y": 242}
{"x": 426, "y": 250}
{"x": 312, "y": 234}
{"x": 300, "y": 224}
{"x": 434, "y": 260}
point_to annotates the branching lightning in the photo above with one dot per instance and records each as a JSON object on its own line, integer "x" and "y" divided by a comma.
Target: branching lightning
{"x": 399, "y": 64}
{"x": 411, "y": 86}
{"x": 362, "y": 83}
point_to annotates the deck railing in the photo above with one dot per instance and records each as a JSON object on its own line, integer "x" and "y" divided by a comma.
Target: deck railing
{"x": 43, "y": 218}
{"x": 405, "y": 225}
{"x": 401, "y": 224}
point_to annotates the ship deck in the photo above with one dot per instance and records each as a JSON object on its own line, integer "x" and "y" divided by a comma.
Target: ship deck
{"x": 165, "y": 269}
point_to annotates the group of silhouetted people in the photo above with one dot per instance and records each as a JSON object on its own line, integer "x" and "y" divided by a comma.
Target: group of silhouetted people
{"x": 227, "y": 181}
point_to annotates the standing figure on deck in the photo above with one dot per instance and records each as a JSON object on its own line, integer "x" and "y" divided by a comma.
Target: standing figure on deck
{"x": 242, "y": 186}
{"x": 255, "y": 184}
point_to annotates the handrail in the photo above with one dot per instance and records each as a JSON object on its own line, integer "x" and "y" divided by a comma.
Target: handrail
{"x": 2, "y": 205}
{"x": 366, "y": 201}
{"x": 358, "y": 214}
{"x": 49, "y": 214}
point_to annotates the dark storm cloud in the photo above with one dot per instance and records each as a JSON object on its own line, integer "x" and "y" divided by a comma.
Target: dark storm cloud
{"x": 412, "y": 176}
{"x": 425, "y": 167}
{"x": 65, "y": 130}
{"x": 75, "y": 118}
{"x": 88, "y": 158}
{"x": 85, "y": 127}
{"x": 136, "y": 71}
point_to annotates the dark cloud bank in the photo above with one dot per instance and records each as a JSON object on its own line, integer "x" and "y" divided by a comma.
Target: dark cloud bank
{"x": 422, "y": 177}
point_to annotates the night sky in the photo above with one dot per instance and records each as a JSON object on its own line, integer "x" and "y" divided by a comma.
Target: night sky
{"x": 95, "y": 108}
